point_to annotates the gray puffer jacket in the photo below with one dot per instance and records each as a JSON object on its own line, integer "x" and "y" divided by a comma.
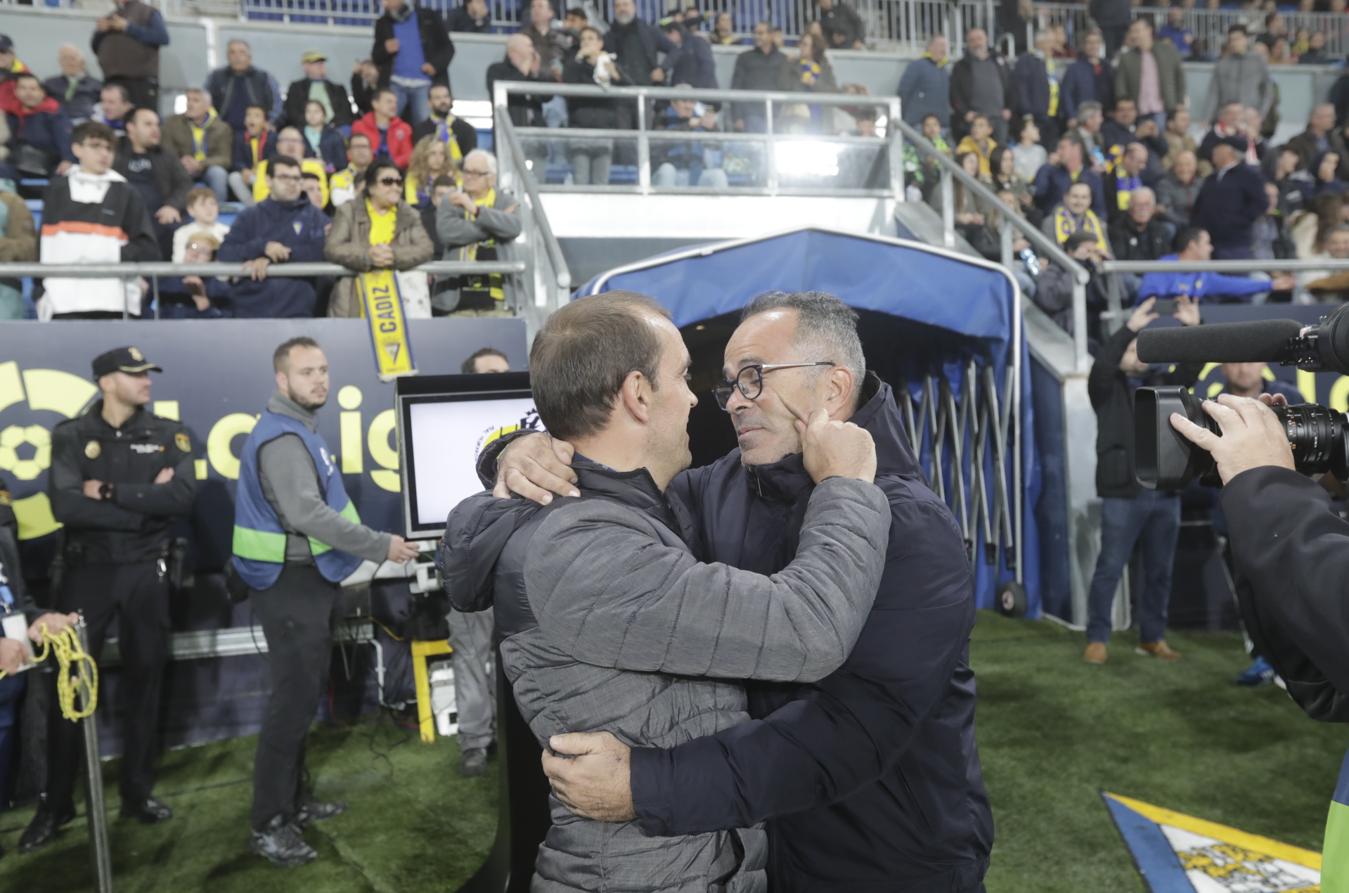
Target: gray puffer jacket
{"x": 608, "y": 622}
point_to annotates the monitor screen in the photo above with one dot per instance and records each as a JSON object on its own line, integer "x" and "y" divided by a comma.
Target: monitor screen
{"x": 442, "y": 435}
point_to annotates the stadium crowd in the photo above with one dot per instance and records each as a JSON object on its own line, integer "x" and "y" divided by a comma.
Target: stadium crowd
{"x": 1113, "y": 158}
{"x": 385, "y": 145}
{"x": 1101, "y": 145}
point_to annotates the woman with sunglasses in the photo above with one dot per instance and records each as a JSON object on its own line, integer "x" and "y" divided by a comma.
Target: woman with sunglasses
{"x": 381, "y": 231}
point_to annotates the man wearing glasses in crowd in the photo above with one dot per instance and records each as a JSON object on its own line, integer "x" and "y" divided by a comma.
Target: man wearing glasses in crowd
{"x": 471, "y": 225}
{"x": 870, "y": 778}
{"x": 286, "y": 227}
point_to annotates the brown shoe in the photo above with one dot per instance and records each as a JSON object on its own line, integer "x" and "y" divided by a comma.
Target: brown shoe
{"x": 1158, "y": 649}
{"x": 1095, "y": 653}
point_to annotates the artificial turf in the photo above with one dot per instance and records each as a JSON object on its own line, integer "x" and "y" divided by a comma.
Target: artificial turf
{"x": 1053, "y": 733}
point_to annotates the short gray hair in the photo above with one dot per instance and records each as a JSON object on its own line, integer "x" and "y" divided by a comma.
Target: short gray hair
{"x": 1086, "y": 108}
{"x": 488, "y": 158}
{"x": 823, "y": 322}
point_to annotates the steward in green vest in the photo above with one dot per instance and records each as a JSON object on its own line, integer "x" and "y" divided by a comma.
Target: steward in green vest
{"x": 296, "y": 537}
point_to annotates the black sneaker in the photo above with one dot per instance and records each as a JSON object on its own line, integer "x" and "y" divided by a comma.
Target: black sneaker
{"x": 150, "y": 811}
{"x": 317, "y": 810}
{"x": 44, "y": 825}
{"x": 281, "y": 844}
{"x": 473, "y": 762}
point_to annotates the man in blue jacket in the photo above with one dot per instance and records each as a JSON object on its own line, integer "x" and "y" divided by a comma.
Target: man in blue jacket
{"x": 1194, "y": 245}
{"x": 1231, "y": 201}
{"x": 1036, "y": 91}
{"x": 869, "y": 779}
{"x": 925, "y": 86}
{"x": 283, "y": 227}
{"x": 1089, "y": 79}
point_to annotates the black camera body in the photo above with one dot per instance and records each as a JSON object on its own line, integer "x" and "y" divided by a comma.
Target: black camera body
{"x": 1165, "y": 460}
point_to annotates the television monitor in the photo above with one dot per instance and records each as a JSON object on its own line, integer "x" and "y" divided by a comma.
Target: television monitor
{"x": 444, "y": 422}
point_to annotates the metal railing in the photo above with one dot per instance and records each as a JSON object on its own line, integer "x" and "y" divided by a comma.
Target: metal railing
{"x": 774, "y": 143}
{"x": 887, "y": 23}
{"x": 1209, "y": 26}
{"x": 153, "y": 271}
{"x": 548, "y": 271}
{"x": 1116, "y": 313}
{"x": 1010, "y": 222}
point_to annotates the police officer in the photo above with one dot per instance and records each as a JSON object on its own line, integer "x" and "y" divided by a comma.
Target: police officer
{"x": 119, "y": 477}
{"x": 296, "y": 536}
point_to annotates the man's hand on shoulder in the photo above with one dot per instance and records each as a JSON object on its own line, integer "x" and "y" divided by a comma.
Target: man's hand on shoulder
{"x": 536, "y": 467}
{"x": 590, "y": 773}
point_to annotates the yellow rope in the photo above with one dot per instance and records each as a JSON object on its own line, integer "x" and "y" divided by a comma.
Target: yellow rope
{"x": 77, "y": 678}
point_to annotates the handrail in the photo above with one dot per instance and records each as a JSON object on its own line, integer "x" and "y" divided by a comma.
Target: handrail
{"x": 1010, "y": 220}
{"x": 737, "y": 96}
{"x": 504, "y": 127}
{"x": 159, "y": 269}
{"x": 1290, "y": 265}
{"x": 1115, "y": 312}
{"x": 698, "y": 136}
{"x": 644, "y": 136}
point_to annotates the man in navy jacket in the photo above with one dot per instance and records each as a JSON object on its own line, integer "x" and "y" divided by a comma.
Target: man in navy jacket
{"x": 870, "y": 779}
{"x": 1089, "y": 79}
{"x": 285, "y": 227}
{"x": 1230, "y": 202}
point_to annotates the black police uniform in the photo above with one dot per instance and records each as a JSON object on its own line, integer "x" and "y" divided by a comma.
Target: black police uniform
{"x": 115, "y": 564}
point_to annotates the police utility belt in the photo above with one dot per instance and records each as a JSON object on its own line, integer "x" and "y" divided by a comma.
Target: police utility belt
{"x": 171, "y": 562}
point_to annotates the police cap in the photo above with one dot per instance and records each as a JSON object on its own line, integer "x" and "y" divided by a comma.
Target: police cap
{"x": 122, "y": 359}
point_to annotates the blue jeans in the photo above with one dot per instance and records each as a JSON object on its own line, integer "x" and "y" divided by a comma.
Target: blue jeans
{"x": 217, "y": 178}
{"x": 416, "y": 100}
{"x": 1150, "y": 521}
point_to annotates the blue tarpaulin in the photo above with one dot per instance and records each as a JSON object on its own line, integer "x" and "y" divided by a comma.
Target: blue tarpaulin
{"x": 974, "y": 304}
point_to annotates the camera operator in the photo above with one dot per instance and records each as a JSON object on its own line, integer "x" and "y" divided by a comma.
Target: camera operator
{"x": 1131, "y": 515}
{"x": 1292, "y": 551}
{"x": 1291, "y": 548}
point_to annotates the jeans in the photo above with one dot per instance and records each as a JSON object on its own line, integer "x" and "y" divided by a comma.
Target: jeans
{"x": 667, "y": 175}
{"x": 217, "y": 178}
{"x": 590, "y": 161}
{"x": 474, "y": 689}
{"x": 1151, "y": 521}
{"x": 243, "y": 193}
{"x": 415, "y": 100}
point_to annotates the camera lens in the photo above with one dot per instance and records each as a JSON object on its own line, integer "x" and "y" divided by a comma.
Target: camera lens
{"x": 1317, "y": 435}
{"x": 1164, "y": 460}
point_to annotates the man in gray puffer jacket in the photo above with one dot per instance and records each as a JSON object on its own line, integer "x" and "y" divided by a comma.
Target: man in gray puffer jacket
{"x": 607, "y": 621}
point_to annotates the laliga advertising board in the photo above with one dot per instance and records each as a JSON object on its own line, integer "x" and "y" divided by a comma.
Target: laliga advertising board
{"x": 217, "y": 378}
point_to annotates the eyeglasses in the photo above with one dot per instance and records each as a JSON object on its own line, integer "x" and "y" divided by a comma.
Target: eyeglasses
{"x": 469, "y": 173}
{"x": 286, "y": 178}
{"x": 749, "y": 380}
{"x": 391, "y": 181}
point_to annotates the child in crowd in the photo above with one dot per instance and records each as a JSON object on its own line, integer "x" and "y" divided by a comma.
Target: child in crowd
{"x": 311, "y": 183}
{"x": 1029, "y": 155}
{"x": 980, "y": 141}
{"x": 204, "y": 210}
{"x": 252, "y": 146}
{"x": 322, "y": 141}
{"x": 195, "y": 297}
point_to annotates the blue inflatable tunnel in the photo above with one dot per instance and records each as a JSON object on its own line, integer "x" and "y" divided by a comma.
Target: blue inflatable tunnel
{"x": 942, "y": 328}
